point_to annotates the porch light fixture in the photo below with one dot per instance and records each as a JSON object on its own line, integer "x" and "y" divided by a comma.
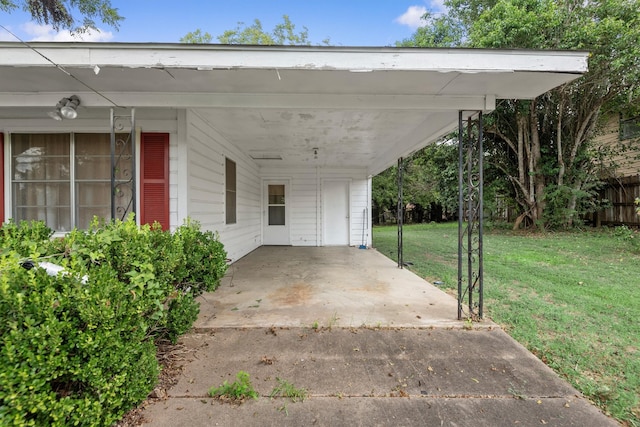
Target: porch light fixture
{"x": 70, "y": 107}
{"x": 66, "y": 108}
{"x": 315, "y": 154}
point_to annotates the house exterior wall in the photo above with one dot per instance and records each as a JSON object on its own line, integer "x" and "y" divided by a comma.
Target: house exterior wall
{"x": 306, "y": 202}
{"x": 626, "y": 153}
{"x": 204, "y": 193}
{"x": 197, "y": 155}
{"x": 92, "y": 121}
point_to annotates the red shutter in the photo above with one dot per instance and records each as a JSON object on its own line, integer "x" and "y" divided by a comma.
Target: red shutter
{"x": 154, "y": 182}
{"x": 1, "y": 177}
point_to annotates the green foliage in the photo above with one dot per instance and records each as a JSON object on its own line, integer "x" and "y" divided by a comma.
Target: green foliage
{"x": 196, "y": 37}
{"x": 629, "y": 237}
{"x": 71, "y": 353}
{"x": 183, "y": 312}
{"x": 203, "y": 259}
{"x": 26, "y": 238}
{"x": 78, "y": 348}
{"x": 237, "y": 391}
{"x": 283, "y": 33}
{"x": 60, "y": 13}
{"x": 543, "y": 147}
{"x": 286, "y": 389}
{"x": 441, "y": 31}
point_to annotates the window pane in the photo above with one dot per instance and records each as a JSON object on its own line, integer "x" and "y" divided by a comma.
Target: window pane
{"x": 276, "y": 215}
{"x": 93, "y": 176}
{"x": 92, "y": 198}
{"x": 40, "y": 172}
{"x": 230, "y": 191}
{"x": 40, "y": 156}
{"x": 43, "y": 201}
{"x": 276, "y": 194}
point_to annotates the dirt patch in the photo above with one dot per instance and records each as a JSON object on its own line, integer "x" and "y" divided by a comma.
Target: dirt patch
{"x": 297, "y": 294}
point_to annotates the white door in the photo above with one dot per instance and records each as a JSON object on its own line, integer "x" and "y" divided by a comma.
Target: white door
{"x": 276, "y": 213}
{"x": 335, "y": 209}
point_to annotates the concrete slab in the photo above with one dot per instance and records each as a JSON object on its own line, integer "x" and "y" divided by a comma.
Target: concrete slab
{"x": 328, "y": 286}
{"x": 359, "y": 376}
{"x": 372, "y": 344}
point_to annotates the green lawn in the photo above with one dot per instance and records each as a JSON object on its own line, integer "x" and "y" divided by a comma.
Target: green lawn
{"x": 573, "y": 299}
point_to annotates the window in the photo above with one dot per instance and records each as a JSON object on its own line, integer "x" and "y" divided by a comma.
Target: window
{"x": 230, "y": 190}
{"x": 64, "y": 179}
{"x": 630, "y": 128}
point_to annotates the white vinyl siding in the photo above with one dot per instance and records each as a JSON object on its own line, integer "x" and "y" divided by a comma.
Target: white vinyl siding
{"x": 206, "y": 154}
{"x": 305, "y": 201}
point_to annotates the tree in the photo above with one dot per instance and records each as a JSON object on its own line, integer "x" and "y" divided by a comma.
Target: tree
{"x": 196, "y": 37}
{"x": 60, "y": 13}
{"x": 283, "y": 33}
{"x": 544, "y": 146}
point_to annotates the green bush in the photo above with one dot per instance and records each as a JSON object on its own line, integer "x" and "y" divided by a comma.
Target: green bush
{"x": 78, "y": 348}
{"x": 71, "y": 353}
{"x": 183, "y": 312}
{"x": 26, "y": 237}
{"x": 204, "y": 261}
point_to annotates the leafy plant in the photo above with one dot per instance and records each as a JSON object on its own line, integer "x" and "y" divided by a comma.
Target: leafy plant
{"x": 72, "y": 353}
{"x": 183, "y": 312}
{"x": 237, "y": 391}
{"x": 286, "y": 389}
{"x": 77, "y": 348}
{"x": 628, "y": 236}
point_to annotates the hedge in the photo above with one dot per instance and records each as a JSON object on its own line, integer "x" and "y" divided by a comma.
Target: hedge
{"x": 78, "y": 348}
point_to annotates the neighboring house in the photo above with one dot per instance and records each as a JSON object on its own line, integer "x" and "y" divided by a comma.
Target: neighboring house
{"x": 265, "y": 145}
{"x": 619, "y": 143}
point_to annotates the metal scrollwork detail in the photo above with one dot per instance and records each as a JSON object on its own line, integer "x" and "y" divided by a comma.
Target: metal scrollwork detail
{"x": 470, "y": 219}
{"x": 123, "y": 173}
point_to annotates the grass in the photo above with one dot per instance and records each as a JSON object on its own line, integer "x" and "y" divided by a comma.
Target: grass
{"x": 237, "y": 391}
{"x": 573, "y": 299}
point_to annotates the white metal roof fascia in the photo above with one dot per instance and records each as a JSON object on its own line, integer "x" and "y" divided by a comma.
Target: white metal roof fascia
{"x": 207, "y": 57}
{"x": 361, "y": 102}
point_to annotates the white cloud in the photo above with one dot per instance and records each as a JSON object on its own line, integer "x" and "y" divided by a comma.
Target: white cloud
{"x": 43, "y": 33}
{"x": 412, "y": 18}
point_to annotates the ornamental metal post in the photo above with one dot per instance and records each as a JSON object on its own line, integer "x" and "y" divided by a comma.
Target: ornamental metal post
{"x": 123, "y": 165}
{"x": 470, "y": 216}
{"x": 400, "y": 211}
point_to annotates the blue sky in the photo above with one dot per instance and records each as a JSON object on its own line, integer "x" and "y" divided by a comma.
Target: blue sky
{"x": 344, "y": 22}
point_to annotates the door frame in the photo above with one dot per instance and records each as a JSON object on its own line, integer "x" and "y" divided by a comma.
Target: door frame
{"x": 287, "y": 213}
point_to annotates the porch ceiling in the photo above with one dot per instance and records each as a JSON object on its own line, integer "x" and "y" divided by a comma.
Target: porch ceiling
{"x": 360, "y": 107}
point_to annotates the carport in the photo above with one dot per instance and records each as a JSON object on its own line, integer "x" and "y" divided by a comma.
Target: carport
{"x": 266, "y": 145}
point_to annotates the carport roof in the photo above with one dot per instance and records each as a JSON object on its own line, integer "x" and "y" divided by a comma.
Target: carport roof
{"x": 359, "y": 106}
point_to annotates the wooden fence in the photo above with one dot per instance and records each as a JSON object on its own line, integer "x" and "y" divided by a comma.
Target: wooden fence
{"x": 621, "y": 194}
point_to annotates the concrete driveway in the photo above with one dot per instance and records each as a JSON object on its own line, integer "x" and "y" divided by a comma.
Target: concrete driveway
{"x": 371, "y": 344}
{"x": 327, "y": 286}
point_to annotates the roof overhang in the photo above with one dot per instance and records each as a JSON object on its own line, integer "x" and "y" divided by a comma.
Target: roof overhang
{"x": 360, "y": 107}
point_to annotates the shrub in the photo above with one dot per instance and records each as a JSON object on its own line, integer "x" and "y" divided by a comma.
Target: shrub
{"x": 26, "y": 237}
{"x": 204, "y": 261}
{"x": 71, "y": 353}
{"x": 183, "y": 312}
{"x": 78, "y": 348}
